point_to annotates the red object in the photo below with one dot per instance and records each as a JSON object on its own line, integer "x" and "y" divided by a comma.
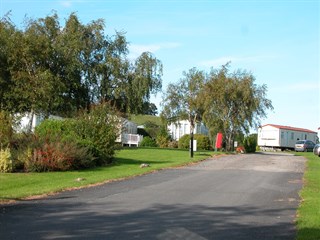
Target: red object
{"x": 219, "y": 140}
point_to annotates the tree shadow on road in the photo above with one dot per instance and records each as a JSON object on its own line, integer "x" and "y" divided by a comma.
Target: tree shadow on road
{"x": 109, "y": 220}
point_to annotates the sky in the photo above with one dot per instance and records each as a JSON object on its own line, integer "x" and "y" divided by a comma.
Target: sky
{"x": 278, "y": 41}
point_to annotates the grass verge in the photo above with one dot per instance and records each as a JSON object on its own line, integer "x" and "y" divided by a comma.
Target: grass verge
{"x": 308, "y": 220}
{"x": 17, "y": 186}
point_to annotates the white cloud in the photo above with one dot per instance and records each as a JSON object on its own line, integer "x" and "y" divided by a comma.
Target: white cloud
{"x": 136, "y": 49}
{"x": 66, "y": 3}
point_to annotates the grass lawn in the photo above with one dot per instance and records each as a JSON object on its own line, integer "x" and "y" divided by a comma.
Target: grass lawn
{"x": 15, "y": 186}
{"x": 308, "y": 221}
{"x": 142, "y": 119}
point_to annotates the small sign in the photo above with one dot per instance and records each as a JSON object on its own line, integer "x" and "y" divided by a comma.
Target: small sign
{"x": 194, "y": 145}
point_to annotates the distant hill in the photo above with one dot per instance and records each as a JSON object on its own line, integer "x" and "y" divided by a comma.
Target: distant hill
{"x": 142, "y": 119}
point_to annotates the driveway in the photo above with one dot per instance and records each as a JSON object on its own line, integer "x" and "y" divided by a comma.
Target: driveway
{"x": 249, "y": 196}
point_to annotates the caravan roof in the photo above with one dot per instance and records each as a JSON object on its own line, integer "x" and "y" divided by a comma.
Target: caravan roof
{"x": 290, "y": 128}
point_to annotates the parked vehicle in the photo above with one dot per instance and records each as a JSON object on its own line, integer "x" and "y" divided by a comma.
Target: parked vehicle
{"x": 316, "y": 149}
{"x": 304, "y": 146}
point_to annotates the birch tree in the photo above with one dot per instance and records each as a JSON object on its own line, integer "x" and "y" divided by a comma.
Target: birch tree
{"x": 181, "y": 100}
{"x": 233, "y": 103}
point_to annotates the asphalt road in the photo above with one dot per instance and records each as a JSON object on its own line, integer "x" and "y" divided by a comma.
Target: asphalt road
{"x": 252, "y": 196}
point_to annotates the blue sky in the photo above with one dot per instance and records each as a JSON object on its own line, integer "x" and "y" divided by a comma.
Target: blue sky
{"x": 278, "y": 41}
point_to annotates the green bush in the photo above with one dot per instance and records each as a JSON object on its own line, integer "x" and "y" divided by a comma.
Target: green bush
{"x": 5, "y": 160}
{"x": 163, "y": 137}
{"x": 250, "y": 143}
{"x": 162, "y": 141}
{"x": 184, "y": 141}
{"x": 203, "y": 142}
{"x": 99, "y": 130}
{"x": 96, "y": 131}
{"x": 148, "y": 142}
{"x": 53, "y": 129}
{"x": 6, "y": 130}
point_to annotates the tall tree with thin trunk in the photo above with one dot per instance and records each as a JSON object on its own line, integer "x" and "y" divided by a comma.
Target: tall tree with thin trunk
{"x": 181, "y": 100}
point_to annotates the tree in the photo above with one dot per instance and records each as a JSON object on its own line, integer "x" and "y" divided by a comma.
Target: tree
{"x": 146, "y": 80}
{"x": 149, "y": 109}
{"x": 233, "y": 103}
{"x": 6, "y": 31}
{"x": 48, "y": 68}
{"x": 129, "y": 85}
{"x": 181, "y": 101}
{"x": 30, "y": 87}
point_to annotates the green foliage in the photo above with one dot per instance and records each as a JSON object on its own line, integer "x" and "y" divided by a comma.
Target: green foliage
{"x": 64, "y": 130}
{"x": 148, "y": 142}
{"x": 53, "y": 68}
{"x": 99, "y": 130}
{"x": 181, "y": 100}
{"x": 250, "y": 143}
{"x": 95, "y": 130}
{"x": 162, "y": 141}
{"x": 6, "y": 130}
{"x": 163, "y": 137}
{"x": 203, "y": 142}
{"x": 184, "y": 141}
{"x": 5, "y": 160}
{"x": 152, "y": 129}
{"x": 233, "y": 103}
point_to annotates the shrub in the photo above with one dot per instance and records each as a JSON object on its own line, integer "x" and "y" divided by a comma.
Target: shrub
{"x": 250, "y": 143}
{"x": 5, "y": 160}
{"x": 96, "y": 131}
{"x": 163, "y": 137}
{"x": 173, "y": 144}
{"x": 203, "y": 142}
{"x": 183, "y": 142}
{"x": 162, "y": 141}
{"x": 58, "y": 156}
{"x": 99, "y": 130}
{"x": 53, "y": 129}
{"x": 148, "y": 142}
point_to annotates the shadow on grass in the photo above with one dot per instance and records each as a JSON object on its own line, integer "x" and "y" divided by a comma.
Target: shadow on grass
{"x": 308, "y": 234}
{"x": 127, "y": 161}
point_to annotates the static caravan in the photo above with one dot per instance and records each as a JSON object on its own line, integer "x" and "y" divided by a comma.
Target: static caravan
{"x": 271, "y": 136}
{"x": 128, "y": 133}
{"x": 182, "y": 127}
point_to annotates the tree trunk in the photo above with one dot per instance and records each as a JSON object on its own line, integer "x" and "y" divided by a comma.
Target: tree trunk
{"x": 192, "y": 121}
{"x": 191, "y": 144}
